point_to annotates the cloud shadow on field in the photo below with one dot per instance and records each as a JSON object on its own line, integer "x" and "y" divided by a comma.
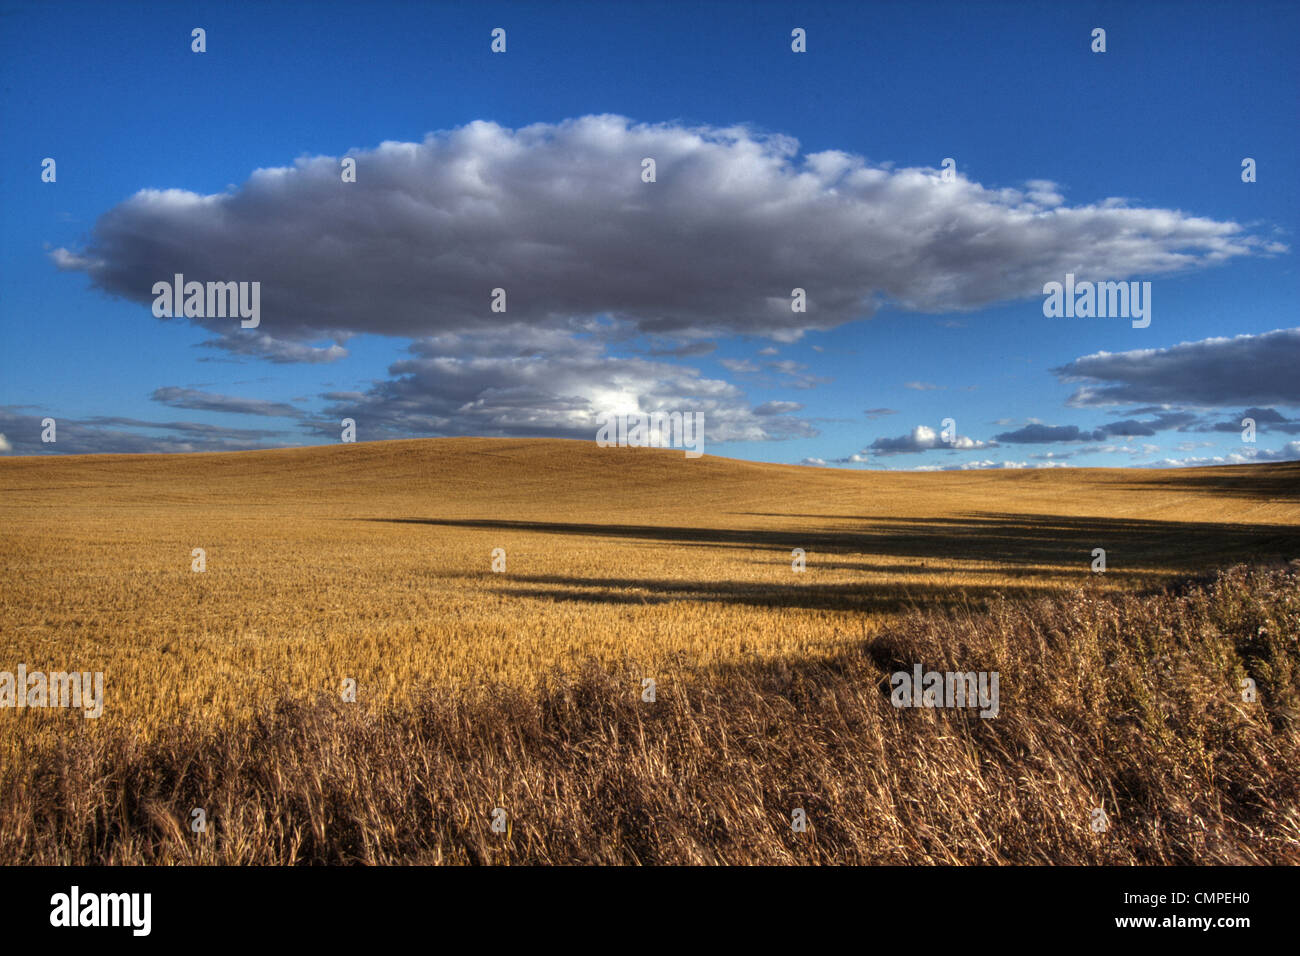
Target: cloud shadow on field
{"x": 1016, "y": 541}
{"x": 1280, "y": 483}
{"x": 1027, "y": 573}
{"x": 864, "y": 596}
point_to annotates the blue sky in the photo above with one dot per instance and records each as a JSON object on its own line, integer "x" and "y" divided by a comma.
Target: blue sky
{"x": 926, "y": 305}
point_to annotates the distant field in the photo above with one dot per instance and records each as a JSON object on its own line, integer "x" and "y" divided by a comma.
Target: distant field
{"x": 521, "y": 689}
{"x": 373, "y": 561}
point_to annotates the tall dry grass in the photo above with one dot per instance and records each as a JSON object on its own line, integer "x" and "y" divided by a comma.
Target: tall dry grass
{"x": 1129, "y": 703}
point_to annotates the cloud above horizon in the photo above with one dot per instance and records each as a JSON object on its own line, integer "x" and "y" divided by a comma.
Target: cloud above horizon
{"x": 198, "y": 400}
{"x": 527, "y": 382}
{"x": 1247, "y": 456}
{"x": 1243, "y": 370}
{"x": 919, "y": 439}
{"x": 105, "y": 434}
{"x": 1038, "y": 433}
{"x": 557, "y": 215}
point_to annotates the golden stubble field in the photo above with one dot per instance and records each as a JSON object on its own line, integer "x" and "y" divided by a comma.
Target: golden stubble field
{"x": 374, "y": 561}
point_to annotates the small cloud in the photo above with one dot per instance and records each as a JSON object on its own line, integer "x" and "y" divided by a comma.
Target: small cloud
{"x": 738, "y": 365}
{"x": 858, "y": 458}
{"x": 777, "y": 408}
{"x": 197, "y": 400}
{"x": 1044, "y": 434}
{"x": 923, "y": 438}
{"x": 67, "y": 261}
{"x": 1044, "y": 192}
{"x": 280, "y": 351}
{"x": 795, "y": 374}
{"x": 685, "y": 350}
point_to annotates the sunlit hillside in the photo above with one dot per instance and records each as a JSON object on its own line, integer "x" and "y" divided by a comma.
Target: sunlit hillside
{"x": 375, "y": 561}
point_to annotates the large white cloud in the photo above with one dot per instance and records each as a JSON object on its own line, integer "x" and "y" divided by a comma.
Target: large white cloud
{"x": 558, "y": 215}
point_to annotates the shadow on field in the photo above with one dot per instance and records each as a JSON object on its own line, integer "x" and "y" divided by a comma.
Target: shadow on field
{"x": 1283, "y": 482}
{"x": 926, "y": 569}
{"x": 865, "y": 596}
{"x": 1007, "y": 539}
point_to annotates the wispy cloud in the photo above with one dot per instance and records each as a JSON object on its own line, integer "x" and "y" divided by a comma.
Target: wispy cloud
{"x": 122, "y": 435}
{"x": 199, "y": 400}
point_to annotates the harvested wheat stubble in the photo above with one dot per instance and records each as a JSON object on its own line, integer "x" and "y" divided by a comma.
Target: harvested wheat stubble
{"x": 373, "y": 561}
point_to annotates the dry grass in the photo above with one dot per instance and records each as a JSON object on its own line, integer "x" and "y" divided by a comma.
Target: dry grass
{"x": 1125, "y": 703}
{"x": 373, "y": 561}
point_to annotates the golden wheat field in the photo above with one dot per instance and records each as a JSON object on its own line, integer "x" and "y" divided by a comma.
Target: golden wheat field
{"x": 374, "y": 561}
{"x": 520, "y": 687}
